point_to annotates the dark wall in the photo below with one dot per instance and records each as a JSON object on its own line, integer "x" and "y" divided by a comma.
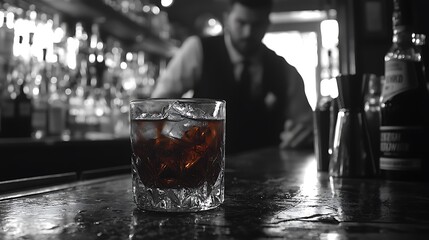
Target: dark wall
{"x": 373, "y": 35}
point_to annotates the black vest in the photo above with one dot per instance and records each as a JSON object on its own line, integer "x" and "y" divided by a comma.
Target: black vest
{"x": 250, "y": 123}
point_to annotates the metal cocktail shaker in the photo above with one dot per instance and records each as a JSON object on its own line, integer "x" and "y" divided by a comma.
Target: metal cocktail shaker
{"x": 352, "y": 154}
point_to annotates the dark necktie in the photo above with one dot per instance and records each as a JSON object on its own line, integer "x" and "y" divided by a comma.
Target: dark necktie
{"x": 245, "y": 81}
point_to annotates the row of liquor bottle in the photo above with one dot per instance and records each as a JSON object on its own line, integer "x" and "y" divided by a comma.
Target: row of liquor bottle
{"x": 56, "y": 84}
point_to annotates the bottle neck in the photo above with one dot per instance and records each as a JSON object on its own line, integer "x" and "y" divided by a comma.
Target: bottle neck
{"x": 401, "y": 35}
{"x": 402, "y": 21}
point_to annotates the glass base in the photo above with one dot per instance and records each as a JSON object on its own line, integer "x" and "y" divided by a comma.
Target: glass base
{"x": 178, "y": 200}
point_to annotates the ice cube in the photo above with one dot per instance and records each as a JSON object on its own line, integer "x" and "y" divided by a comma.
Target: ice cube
{"x": 181, "y": 117}
{"x": 145, "y": 129}
{"x": 178, "y": 110}
{"x": 175, "y": 117}
{"x": 176, "y": 129}
{"x": 196, "y": 113}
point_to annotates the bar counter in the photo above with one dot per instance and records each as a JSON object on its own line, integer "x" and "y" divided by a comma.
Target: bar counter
{"x": 269, "y": 193}
{"x": 27, "y": 157}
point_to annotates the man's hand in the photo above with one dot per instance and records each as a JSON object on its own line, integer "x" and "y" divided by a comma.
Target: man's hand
{"x": 296, "y": 135}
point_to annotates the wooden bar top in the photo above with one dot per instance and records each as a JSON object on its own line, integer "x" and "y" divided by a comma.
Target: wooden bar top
{"x": 269, "y": 194}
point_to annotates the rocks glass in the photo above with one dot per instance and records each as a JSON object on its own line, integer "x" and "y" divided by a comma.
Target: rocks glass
{"x": 178, "y": 154}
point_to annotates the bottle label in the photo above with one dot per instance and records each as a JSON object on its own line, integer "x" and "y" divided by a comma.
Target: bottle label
{"x": 400, "y": 77}
{"x": 402, "y": 147}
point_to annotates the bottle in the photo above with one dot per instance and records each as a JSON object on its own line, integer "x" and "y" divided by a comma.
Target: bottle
{"x": 76, "y": 111}
{"x": 79, "y": 77}
{"x": 7, "y": 105}
{"x": 23, "y": 110}
{"x": 404, "y": 104}
{"x": 40, "y": 100}
{"x": 372, "y": 114}
{"x": 8, "y": 89}
{"x": 4, "y": 56}
{"x": 321, "y": 116}
{"x": 57, "y": 102}
{"x": 6, "y": 32}
{"x": 419, "y": 41}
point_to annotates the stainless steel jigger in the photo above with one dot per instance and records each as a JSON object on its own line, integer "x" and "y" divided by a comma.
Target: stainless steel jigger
{"x": 352, "y": 155}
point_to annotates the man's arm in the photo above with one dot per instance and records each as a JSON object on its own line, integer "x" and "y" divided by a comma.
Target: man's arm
{"x": 182, "y": 71}
{"x": 298, "y": 129}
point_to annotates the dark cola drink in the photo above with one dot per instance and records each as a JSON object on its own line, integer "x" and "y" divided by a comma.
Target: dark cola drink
{"x": 167, "y": 161}
{"x": 178, "y": 154}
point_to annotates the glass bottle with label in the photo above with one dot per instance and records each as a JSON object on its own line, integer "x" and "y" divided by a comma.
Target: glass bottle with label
{"x": 7, "y": 105}
{"x": 57, "y": 107}
{"x": 23, "y": 110}
{"x": 419, "y": 41}
{"x": 40, "y": 100}
{"x": 372, "y": 113}
{"x": 404, "y": 104}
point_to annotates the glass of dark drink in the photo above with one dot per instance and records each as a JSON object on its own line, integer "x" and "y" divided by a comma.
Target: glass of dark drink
{"x": 178, "y": 154}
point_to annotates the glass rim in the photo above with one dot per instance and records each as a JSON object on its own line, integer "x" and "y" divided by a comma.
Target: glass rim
{"x": 184, "y": 100}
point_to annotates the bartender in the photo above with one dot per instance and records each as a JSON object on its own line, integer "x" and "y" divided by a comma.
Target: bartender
{"x": 266, "y": 102}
